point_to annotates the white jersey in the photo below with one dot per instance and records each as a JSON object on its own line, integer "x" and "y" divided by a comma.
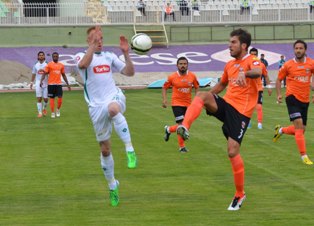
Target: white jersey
{"x": 38, "y": 71}
{"x": 99, "y": 85}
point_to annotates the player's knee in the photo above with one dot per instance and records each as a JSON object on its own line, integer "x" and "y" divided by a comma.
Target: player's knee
{"x": 233, "y": 149}
{"x": 113, "y": 109}
{"x": 105, "y": 148}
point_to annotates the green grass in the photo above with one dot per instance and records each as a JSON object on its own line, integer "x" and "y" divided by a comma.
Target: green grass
{"x": 50, "y": 172}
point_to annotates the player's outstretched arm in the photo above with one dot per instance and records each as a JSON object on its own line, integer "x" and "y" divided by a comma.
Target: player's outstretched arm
{"x": 128, "y": 70}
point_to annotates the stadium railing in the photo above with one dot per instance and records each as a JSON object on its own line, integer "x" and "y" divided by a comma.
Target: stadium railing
{"x": 125, "y": 12}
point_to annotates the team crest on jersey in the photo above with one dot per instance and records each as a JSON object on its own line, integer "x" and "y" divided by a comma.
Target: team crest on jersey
{"x": 99, "y": 69}
{"x": 78, "y": 58}
{"x": 255, "y": 62}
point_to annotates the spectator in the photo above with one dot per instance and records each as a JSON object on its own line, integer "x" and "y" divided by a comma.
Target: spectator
{"x": 311, "y": 4}
{"x": 195, "y": 5}
{"x": 184, "y": 7}
{"x": 169, "y": 11}
{"x": 245, "y": 5}
{"x": 265, "y": 62}
{"x": 141, "y": 7}
{"x": 280, "y": 64}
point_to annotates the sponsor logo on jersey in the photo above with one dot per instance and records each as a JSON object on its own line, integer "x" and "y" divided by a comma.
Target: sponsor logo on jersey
{"x": 99, "y": 69}
{"x": 41, "y": 72}
{"x": 255, "y": 63}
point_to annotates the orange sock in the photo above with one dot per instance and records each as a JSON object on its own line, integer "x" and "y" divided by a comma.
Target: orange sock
{"x": 59, "y": 102}
{"x": 300, "y": 140}
{"x": 259, "y": 110}
{"x": 181, "y": 142}
{"x": 173, "y": 129}
{"x": 193, "y": 111}
{"x": 238, "y": 174}
{"x": 52, "y": 104}
{"x": 288, "y": 130}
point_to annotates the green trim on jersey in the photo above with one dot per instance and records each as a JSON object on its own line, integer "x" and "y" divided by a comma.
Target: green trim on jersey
{"x": 85, "y": 88}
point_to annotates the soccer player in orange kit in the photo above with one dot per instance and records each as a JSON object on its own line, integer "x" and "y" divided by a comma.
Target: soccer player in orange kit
{"x": 235, "y": 109}
{"x": 182, "y": 83}
{"x": 259, "y": 105}
{"x": 55, "y": 70}
{"x": 298, "y": 72}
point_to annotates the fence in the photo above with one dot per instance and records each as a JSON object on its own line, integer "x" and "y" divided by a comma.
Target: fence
{"x": 125, "y": 12}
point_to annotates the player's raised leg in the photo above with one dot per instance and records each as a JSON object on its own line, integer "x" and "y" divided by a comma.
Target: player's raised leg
{"x": 122, "y": 129}
{"x": 201, "y": 100}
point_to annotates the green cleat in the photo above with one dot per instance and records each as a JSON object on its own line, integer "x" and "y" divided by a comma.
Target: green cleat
{"x": 114, "y": 196}
{"x": 277, "y": 134}
{"x": 132, "y": 160}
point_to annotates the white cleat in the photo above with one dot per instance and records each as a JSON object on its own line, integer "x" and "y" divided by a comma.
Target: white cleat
{"x": 53, "y": 115}
{"x": 259, "y": 126}
{"x": 236, "y": 203}
{"x": 58, "y": 113}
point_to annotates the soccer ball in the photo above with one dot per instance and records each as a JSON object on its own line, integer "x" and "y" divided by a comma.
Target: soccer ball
{"x": 141, "y": 43}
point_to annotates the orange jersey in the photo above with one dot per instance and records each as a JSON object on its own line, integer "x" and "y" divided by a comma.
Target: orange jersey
{"x": 298, "y": 78}
{"x": 243, "y": 99}
{"x": 55, "y": 70}
{"x": 265, "y": 73}
{"x": 181, "y": 88}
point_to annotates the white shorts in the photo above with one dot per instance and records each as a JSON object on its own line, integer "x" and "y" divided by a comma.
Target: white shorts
{"x": 41, "y": 91}
{"x": 100, "y": 117}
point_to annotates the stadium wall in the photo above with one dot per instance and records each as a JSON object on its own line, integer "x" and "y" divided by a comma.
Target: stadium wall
{"x": 177, "y": 34}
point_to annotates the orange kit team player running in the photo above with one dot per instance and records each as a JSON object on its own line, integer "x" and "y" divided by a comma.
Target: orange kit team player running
{"x": 182, "y": 83}
{"x": 259, "y": 105}
{"x": 55, "y": 70}
{"x": 298, "y": 72}
{"x": 241, "y": 75}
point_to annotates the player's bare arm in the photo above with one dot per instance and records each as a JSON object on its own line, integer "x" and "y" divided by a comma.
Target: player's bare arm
{"x": 94, "y": 41}
{"x": 269, "y": 89}
{"x": 218, "y": 88}
{"x": 164, "y": 98}
{"x": 66, "y": 81}
{"x": 254, "y": 73}
{"x": 43, "y": 78}
{"x": 32, "y": 81}
{"x": 196, "y": 91}
{"x": 128, "y": 70}
{"x": 278, "y": 90}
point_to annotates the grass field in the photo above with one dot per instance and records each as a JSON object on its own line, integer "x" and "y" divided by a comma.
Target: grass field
{"x": 50, "y": 172}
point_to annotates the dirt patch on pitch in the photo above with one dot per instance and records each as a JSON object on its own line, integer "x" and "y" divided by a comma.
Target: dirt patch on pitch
{"x": 14, "y": 72}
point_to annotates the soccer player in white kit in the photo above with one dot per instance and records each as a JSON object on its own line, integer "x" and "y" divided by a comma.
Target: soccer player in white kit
{"x": 106, "y": 102}
{"x": 41, "y": 91}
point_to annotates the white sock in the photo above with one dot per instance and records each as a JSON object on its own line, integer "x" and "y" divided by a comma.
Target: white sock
{"x": 107, "y": 165}
{"x": 280, "y": 131}
{"x": 39, "y": 107}
{"x": 122, "y": 129}
{"x": 45, "y": 105}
